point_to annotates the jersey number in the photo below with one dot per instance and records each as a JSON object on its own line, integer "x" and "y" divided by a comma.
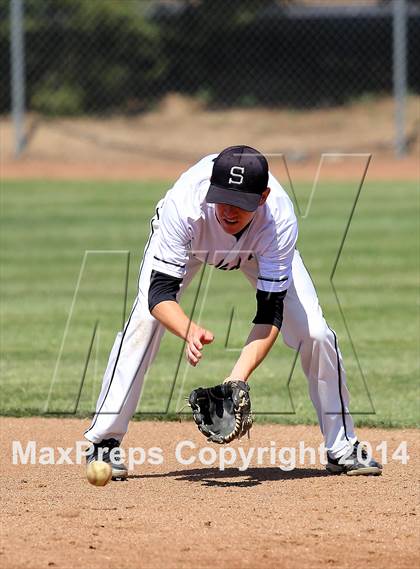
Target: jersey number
{"x": 236, "y": 175}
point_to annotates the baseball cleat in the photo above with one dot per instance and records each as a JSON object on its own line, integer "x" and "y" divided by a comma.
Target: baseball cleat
{"x": 109, "y": 451}
{"x": 357, "y": 463}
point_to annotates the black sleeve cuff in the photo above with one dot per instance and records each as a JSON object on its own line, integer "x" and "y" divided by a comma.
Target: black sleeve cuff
{"x": 270, "y": 308}
{"x": 162, "y": 287}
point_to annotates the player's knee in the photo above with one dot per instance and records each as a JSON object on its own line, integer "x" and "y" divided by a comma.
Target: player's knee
{"x": 146, "y": 316}
{"x": 319, "y": 331}
{"x": 142, "y": 319}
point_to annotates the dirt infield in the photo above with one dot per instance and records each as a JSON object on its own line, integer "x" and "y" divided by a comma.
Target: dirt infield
{"x": 187, "y": 516}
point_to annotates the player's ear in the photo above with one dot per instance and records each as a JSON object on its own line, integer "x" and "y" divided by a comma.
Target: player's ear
{"x": 264, "y": 196}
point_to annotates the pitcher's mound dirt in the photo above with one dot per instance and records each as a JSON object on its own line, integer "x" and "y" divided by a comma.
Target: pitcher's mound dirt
{"x": 187, "y": 516}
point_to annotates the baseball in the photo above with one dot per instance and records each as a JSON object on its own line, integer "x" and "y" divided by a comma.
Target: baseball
{"x": 99, "y": 473}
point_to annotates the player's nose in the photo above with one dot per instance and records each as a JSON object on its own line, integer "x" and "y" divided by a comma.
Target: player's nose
{"x": 229, "y": 210}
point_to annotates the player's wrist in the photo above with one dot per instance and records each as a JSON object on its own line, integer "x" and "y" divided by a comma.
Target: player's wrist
{"x": 230, "y": 379}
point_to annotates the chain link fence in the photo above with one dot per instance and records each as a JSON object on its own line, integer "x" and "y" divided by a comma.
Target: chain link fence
{"x": 125, "y": 58}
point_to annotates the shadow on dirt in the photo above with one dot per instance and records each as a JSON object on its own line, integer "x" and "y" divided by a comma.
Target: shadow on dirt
{"x": 232, "y": 477}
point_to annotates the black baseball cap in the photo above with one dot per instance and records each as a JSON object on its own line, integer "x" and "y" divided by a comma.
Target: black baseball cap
{"x": 239, "y": 177}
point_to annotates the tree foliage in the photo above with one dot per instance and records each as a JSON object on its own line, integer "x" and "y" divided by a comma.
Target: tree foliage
{"x": 90, "y": 56}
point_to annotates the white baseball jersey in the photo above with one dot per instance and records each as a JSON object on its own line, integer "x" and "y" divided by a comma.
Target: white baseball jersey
{"x": 188, "y": 226}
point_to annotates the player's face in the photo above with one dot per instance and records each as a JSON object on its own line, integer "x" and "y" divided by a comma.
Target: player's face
{"x": 232, "y": 219}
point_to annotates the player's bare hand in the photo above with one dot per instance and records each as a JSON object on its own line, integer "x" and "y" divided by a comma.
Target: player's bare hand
{"x": 196, "y": 339}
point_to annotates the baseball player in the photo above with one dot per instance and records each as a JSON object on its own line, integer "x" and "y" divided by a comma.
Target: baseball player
{"x": 230, "y": 212}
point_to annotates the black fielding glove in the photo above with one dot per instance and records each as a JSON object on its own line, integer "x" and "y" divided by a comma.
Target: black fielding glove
{"x": 222, "y": 413}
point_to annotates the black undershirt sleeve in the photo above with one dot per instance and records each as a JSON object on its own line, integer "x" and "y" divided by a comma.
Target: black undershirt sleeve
{"x": 270, "y": 308}
{"x": 162, "y": 287}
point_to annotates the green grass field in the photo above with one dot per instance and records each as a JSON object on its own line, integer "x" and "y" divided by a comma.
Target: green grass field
{"x": 46, "y": 227}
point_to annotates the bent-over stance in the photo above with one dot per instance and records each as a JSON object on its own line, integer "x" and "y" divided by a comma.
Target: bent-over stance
{"x": 228, "y": 211}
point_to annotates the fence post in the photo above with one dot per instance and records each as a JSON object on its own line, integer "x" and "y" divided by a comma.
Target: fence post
{"x": 400, "y": 72}
{"x": 17, "y": 61}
